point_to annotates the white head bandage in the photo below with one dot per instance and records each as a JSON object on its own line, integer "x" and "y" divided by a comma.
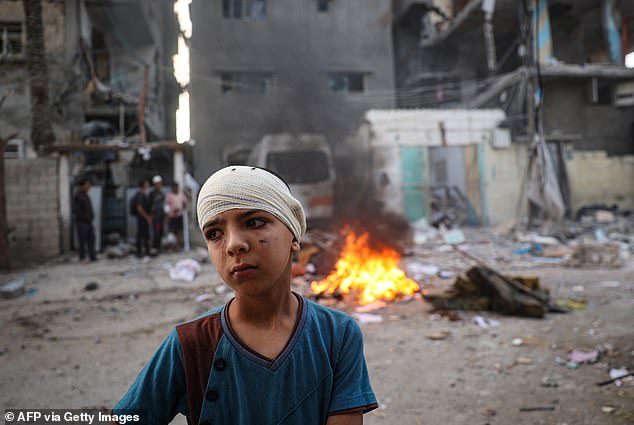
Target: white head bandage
{"x": 243, "y": 187}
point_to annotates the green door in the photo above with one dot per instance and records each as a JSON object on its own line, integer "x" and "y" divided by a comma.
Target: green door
{"x": 414, "y": 180}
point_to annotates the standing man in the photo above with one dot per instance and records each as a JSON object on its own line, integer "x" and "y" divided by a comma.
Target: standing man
{"x": 176, "y": 203}
{"x": 82, "y": 209}
{"x": 141, "y": 209}
{"x": 157, "y": 209}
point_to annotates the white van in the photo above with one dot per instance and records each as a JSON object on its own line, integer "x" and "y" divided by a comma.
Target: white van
{"x": 305, "y": 162}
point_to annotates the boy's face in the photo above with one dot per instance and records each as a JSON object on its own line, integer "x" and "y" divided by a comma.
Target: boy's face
{"x": 251, "y": 250}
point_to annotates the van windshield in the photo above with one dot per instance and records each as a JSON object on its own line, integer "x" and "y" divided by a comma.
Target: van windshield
{"x": 297, "y": 167}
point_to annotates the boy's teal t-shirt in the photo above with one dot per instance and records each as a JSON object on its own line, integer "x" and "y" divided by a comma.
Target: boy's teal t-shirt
{"x": 321, "y": 371}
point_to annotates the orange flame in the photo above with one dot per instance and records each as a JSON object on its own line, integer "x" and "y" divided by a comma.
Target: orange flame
{"x": 371, "y": 274}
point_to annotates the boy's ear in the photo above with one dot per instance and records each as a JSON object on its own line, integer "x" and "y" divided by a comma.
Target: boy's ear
{"x": 295, "y": 246}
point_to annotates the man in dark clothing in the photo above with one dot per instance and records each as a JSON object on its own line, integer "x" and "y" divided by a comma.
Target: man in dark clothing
{"x": 82, "y": 209}
{"x": 157, "y": 208}
{"x": 143, "y": 218}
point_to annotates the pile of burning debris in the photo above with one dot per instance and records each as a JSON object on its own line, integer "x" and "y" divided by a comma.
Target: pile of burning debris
{"x": 394, "y": 261}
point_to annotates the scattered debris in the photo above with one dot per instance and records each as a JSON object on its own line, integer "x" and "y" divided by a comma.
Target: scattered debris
{"x": 13, "y": 289}
{"x": 583, "y": 357}
{"x": 619, "y": 377}
{"x": 220, "y": 289}
{"x": 202, "y": 297}
{"x": 438, "y": 336}
{"x": 373, "y": 306}
{"x": 485, "y": 323}
{"x": 517, "y": 342}
{"x": 444, "y": 274}
{"x": 186, "y": 270}
{"x": 120, "y": 250}
{"x": 597, "y": 255}
{"x": 537, "y": 408}
{"x": 201, "y": 255}
{"x": 365, "y": 318}
{"x": 572, "y": 304}
{"x": 608, "y": 409}
{"x": 609, "y": 284}
{"x": 488, "y": 412}
{"x": 423, "y": 232}
{"x": 416, "y": 269}
{"x": 521, "y": 360}
{"x": 453, "y": 237}
{"x": 91, "y": 286}
{"x": 549, "y": 382}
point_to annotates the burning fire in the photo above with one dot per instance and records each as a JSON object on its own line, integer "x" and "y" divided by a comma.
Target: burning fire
{"x": 370, "y": 274}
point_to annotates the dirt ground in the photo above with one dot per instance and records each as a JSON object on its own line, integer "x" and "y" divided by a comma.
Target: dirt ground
{"x": 64, "y": 347}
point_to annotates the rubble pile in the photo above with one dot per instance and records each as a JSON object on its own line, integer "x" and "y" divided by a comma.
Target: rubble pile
{"x": 482, "y": 288}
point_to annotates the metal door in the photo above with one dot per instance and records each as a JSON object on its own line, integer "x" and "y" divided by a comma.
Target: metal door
{"x": 415, "y": 186}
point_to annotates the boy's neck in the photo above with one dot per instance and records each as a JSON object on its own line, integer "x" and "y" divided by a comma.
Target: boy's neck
{"x": 269, "y": 310}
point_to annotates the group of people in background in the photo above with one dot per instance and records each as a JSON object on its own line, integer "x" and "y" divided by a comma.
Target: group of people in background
{"x": 153, "y": 210}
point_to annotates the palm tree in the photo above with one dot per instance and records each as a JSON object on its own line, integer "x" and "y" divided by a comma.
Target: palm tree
{"x": 41, "y": 129}
{"x": 4, "y": 230}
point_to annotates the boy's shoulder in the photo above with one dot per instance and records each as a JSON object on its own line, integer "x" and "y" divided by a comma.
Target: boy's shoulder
{"x": 201, "y": 328}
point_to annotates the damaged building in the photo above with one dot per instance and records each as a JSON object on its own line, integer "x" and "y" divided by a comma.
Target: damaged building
{"x": 111, "y": 90}
{"x": 568, "y": 85}
{"x": 97, "y": 54}
{"x": 286, "y": 66}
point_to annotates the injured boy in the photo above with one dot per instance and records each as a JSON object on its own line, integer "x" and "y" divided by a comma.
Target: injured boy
{"x": 268, "y": 356}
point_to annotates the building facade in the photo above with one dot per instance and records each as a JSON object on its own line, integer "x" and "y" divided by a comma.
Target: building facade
{"x": 97, "y": 53}
{"x": 554, "y": 67}
{"x": 261, "y": 67}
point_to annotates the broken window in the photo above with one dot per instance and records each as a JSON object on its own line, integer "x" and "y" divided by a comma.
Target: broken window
{"x": 245, "y": 82}
{"x": 346, "y": 82}
{"x": 299, "y": 167}
{"x": 100, "y": 55}
{"x": 11, "y": 34}
{"x": 600, "y": 92}
{"x": 244, "y": 9}
{"x": 322, "y": 5}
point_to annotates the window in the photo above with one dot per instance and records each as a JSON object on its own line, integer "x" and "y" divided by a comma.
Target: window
{"x": 601, "y": 92}
{"x": 12, "y": 43}
{"x": 322, "y": 5}
{"x": 299, "y": 167}
{"x": 346, "y": 82}
{"x": 244, "y": 9}
{"x": 100, "y": 55}
{"x": 246, "y": 82}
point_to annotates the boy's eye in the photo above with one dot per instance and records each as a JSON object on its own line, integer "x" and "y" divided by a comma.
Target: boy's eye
{"x": 254, "y": 223}
{"x": 212, "y": 234}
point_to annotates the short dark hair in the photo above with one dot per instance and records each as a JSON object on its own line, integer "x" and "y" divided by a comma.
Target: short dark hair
{"x": 83, "y": 181}
{"x": 142, "y": 182}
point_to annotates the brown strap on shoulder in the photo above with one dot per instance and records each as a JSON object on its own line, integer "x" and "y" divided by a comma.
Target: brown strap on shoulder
{"x": 198, "y": 341}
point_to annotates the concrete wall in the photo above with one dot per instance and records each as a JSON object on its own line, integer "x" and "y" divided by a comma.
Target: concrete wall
{"x": 598, "y": 178}
{"x": 299, "y": 45}
{"x": 568, "y": 110}
{"x": 595, "y": 178}
{"x": 32, "y": 209}
{"x": 504, "y": 169}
